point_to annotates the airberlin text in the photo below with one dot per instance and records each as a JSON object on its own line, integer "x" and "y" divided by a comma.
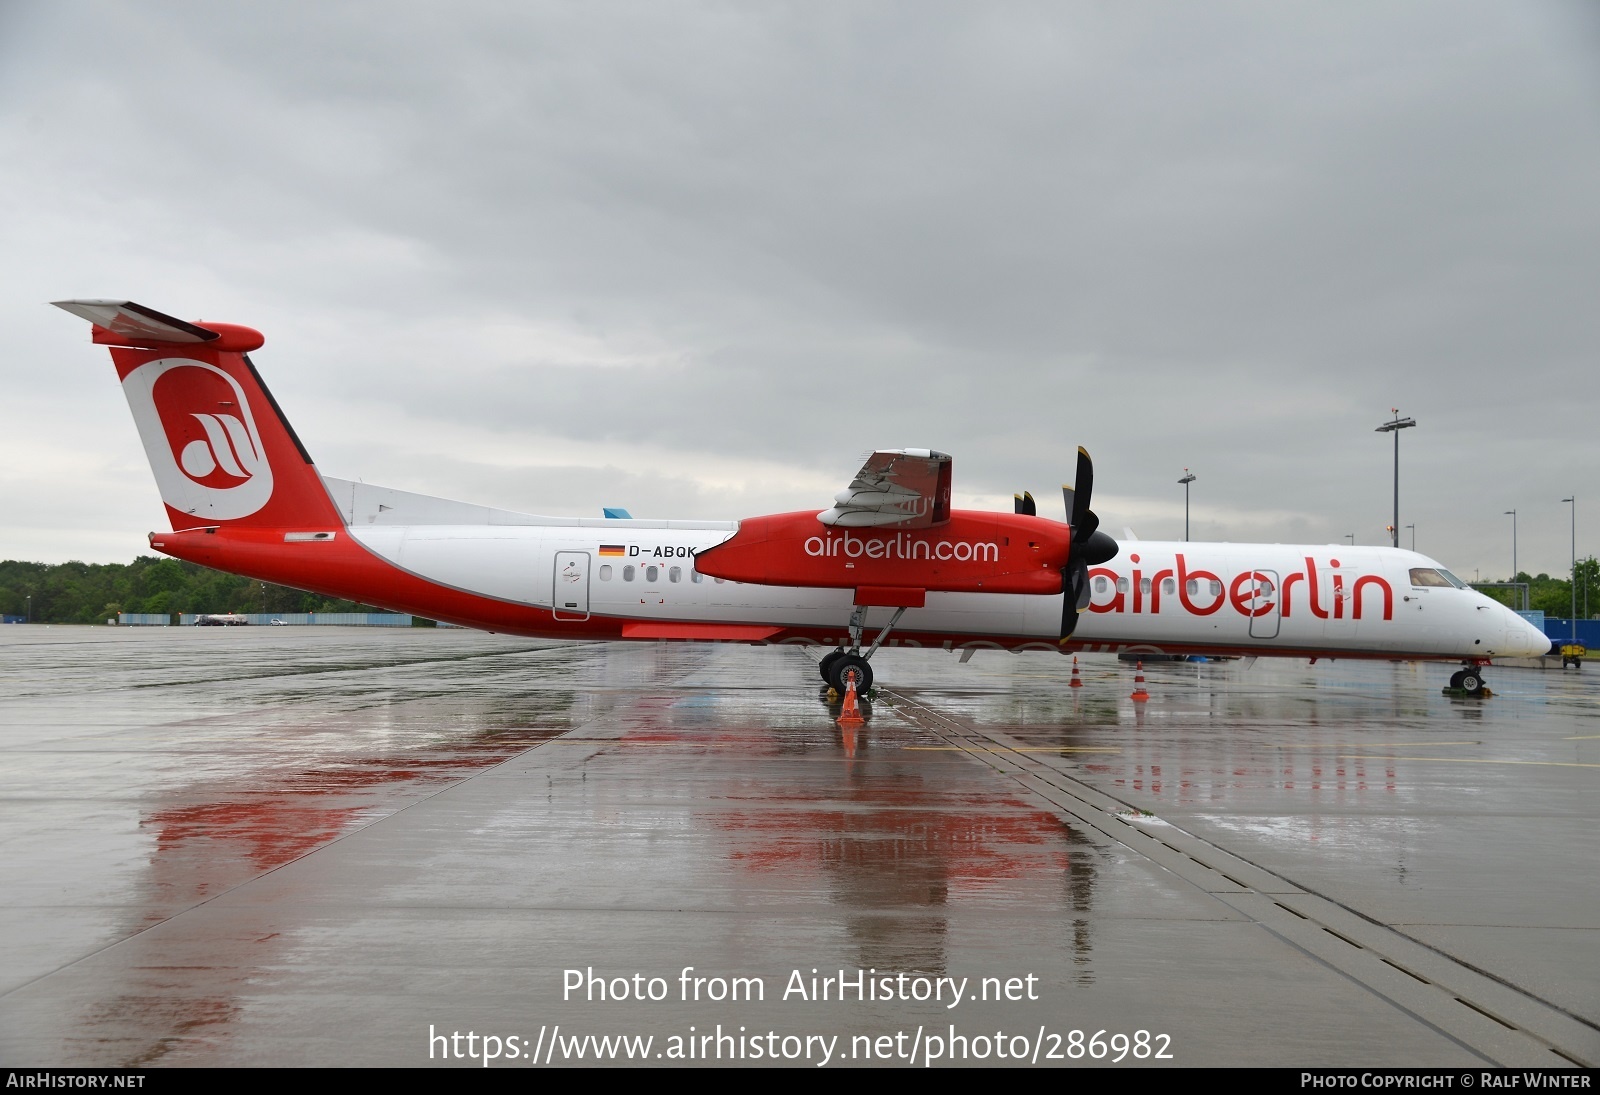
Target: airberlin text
{"x": 901, "y": 546}
{"x": 1323, "y": 590}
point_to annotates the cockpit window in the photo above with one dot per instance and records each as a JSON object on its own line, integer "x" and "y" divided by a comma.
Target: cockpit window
{"x": 1452, "y": 579}
{"x": 1427, "y": 576}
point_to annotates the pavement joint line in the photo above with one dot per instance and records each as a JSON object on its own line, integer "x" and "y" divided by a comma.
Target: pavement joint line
{"x": 1544, "y": 1034}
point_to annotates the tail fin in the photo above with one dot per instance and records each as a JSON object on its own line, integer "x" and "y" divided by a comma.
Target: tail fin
{"x": 221, "y": 449}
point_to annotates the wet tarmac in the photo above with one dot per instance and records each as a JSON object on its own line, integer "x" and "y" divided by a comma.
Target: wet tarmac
{"x": 326, "y": 846}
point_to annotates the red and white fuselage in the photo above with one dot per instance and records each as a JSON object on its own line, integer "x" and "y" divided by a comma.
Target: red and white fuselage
{"x": 608, "y": 579}
{"x": 244, "y": 496}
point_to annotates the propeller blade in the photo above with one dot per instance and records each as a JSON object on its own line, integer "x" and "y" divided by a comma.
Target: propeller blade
{"x": 1083, "y": 488}
{"x": 1016, "y": 504}
{"x": 1075, "y": 585}
{"x": 1089, "y": 546}
{"x": 1028, "y": 505}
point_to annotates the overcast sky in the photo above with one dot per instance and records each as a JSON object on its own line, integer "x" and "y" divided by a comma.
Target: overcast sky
{"x": 693, "y": 259}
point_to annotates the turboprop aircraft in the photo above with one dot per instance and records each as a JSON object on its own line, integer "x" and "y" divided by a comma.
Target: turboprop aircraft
{"x": 889, "y": 557}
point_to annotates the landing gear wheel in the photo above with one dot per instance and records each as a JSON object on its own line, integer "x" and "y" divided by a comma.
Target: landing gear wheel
{"x": 851, "y": 667}
{"x": 1455, "y": 678}
{"x": 825, "y": 666}
{"x": 1471, "y": 682}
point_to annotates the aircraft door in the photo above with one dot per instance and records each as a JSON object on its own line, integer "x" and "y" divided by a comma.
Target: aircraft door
{"x": 1259, "y": 593}
{"x": 570, "y": 599}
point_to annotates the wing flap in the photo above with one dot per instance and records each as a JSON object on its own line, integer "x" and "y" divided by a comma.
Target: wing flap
{"x": 895, "y": 488}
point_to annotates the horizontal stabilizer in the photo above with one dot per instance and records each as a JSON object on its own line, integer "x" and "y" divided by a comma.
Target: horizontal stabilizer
{"x": 139, "y": 325}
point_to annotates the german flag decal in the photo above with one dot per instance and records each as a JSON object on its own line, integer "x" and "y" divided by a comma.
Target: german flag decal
{"x": 613, "y": 549}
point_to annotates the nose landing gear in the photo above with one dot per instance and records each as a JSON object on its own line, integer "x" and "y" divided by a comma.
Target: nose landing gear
{"x": 842, "y": 667}
{"x": 1468, "y": 682}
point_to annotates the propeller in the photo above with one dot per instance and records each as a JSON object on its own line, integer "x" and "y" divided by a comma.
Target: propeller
{"x": 1089, "y": 545}
{"x": 1024, "y": 504}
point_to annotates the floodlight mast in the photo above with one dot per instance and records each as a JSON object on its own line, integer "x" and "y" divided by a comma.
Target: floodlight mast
{"x": 1394, "y": 427}
{"x": 1511, "y": 513}
{"x": 1574, "y": 501}
{"x": 1188, "y": 477}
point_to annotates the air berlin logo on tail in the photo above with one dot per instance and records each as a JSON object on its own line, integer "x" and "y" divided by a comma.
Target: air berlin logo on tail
{"x": 224, "y": 453}
{"x": 201, "y": 438}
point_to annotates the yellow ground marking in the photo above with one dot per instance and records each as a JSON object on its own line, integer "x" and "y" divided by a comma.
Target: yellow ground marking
{"x": 1022, "y": 749}
{"x": 1371, "y": 744}
{"x": 1473, "y": 760}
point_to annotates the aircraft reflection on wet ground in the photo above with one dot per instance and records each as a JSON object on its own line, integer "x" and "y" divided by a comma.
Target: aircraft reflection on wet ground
{"x": 260, "y": 848}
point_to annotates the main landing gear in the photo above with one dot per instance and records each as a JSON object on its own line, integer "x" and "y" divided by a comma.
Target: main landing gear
{"x": 1469, "y": 681}
{"x": 843, "y": 667}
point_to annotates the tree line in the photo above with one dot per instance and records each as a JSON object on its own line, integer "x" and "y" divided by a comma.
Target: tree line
{"x": 91, "y": 593}
{"x": 1553, "y": 596}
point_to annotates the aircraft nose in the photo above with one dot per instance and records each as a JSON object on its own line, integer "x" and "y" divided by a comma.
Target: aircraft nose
{"x": 1533, "y": 641}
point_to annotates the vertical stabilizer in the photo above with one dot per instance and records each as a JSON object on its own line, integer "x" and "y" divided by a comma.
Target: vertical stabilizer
{"x": 221, "y": 449}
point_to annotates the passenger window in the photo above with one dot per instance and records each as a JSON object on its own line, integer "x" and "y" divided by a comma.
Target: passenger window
{"x": 696, "y": 577}
{"x": 627, "y": 573}
{"x": 1144, "y": 585}
{"x": 651, "y": 573}
{"x": 1192, "y": 587}
{"x": 1168, "y": 585}
{"x": 718, "y": 581}
{"x": 1424, "y": 576}
{"x": 605, "y": 572}
{"x": 1122, "y": 585}
{"x": 675, "y": 574}
{"x": 1216, "y": 589}
{"x": 1099, "y": 585}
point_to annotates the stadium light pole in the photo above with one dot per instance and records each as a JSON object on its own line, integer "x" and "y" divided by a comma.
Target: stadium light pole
{"x": 1513, "y": 515}
{"x": 1395, "y": 427}
{"x": 1188, "y": 477}
{"x": 1574, "y": 501}
{"x": 1351, "y": 537}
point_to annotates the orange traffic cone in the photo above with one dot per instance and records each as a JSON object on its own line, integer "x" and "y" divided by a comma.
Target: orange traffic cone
{"x": 851, "y": 714}
{"x": 1077, "y": 681}
{"x": 1139, "y": 694}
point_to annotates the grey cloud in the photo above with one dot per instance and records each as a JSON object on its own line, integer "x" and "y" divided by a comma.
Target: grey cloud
{"x": 1226, "y": 237}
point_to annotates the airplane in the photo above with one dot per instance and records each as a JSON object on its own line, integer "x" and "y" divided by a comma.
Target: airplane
{"x": 889, "y": 557}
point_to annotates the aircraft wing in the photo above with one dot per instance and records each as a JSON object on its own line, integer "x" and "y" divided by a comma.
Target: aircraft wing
{"x": 895, "y": 488}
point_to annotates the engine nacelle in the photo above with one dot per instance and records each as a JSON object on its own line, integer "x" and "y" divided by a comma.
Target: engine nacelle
{"x": 973, "y": 552}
